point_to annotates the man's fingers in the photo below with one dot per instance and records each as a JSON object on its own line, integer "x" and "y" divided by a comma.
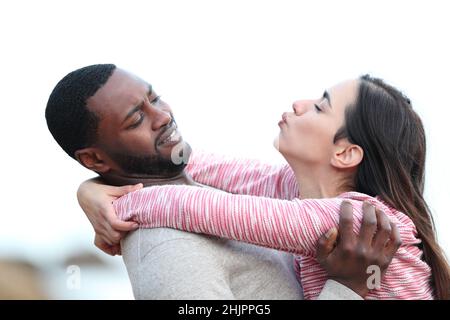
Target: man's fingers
{"x": 326, "y": 244}
{"x": 383, "y": 231}
{"x": 395, "y": 241}
{"x": 368, "y": 224}
{"x": 346, "y": 223}
{"x": 120, "y": 191}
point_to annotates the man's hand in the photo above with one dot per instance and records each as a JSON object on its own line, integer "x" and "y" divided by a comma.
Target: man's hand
{"x": 346, "y": 259}
{"x": 96, "y": 201}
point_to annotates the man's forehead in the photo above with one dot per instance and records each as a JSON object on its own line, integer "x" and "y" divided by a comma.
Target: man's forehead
{"x": 122, "y": 90}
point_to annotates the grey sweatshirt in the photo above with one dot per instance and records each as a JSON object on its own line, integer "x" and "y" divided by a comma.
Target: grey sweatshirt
{"x": 171, "y": 264}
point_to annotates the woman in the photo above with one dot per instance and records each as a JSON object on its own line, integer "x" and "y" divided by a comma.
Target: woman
{"x": 362, "y": 142}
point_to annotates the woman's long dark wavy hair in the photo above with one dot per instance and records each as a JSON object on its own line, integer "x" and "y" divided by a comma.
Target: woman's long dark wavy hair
{"x": 383, "y": 123}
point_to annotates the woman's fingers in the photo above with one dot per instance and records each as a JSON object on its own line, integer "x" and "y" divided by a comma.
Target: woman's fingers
{"x": 112, "y": 235}
{"x": 123, "y": 190}
{"x": 120, "y": 225}
{"x": 105, "y": 247}
{"x": 96, "y": 201}
{"x": 115, "y": 223}
{"x": 100, "y": 237}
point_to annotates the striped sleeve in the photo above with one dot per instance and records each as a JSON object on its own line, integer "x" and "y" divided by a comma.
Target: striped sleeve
{"x": 243, "y": 176}
{"x": 292, "y": 226}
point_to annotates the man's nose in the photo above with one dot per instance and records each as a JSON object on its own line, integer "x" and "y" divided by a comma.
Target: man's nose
{"x": 160, "y": 117}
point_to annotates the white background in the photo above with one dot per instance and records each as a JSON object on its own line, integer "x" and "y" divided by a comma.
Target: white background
{"x": 227, "y": 68}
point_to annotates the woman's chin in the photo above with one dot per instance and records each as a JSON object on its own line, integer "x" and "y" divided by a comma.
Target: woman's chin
{"x": 278, "y": 144}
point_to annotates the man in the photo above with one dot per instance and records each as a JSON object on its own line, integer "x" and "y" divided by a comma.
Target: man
{"x": 113, "y": 123}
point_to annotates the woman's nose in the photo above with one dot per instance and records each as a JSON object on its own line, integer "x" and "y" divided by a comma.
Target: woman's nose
{"x": 298, "y": 107}
{"x": 301, "y": 106}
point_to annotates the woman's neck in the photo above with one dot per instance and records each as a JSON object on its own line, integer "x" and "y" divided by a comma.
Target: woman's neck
{"x": 316, "y": 183}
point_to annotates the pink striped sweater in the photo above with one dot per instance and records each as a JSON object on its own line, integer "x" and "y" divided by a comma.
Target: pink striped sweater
{"x": 261, "y": 207}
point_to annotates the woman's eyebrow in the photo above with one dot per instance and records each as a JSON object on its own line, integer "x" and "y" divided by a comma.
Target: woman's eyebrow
{"x": 326, "y": 95}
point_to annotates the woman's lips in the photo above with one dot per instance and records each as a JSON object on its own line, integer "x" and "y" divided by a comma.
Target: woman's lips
{"x": 283, "y": 119}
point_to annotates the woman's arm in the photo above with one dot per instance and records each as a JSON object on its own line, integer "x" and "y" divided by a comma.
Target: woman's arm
{"x": 243, "y": 176}
{"x": 293, "y": 226}
{"x": 221, "y": 172}
{"x": 95, "y": 198}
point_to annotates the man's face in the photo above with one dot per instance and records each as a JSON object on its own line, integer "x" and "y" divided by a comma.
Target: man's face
{"x": 136, "y": 130}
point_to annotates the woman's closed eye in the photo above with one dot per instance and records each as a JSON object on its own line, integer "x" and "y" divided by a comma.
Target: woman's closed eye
{"x": 318, "y": 109}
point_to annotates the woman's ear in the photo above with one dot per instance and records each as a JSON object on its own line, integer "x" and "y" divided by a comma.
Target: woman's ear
{"x": 92, "y": 159}
{"x": 346, "y": 155}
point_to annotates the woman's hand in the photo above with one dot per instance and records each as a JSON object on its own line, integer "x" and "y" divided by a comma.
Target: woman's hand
{"x": 96, "y": 200}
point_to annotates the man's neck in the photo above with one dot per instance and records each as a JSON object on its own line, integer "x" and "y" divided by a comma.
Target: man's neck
{"x": 120, "y": 180}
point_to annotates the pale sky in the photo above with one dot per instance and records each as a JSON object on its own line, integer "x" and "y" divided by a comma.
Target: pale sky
{"x": 228, "y": 69}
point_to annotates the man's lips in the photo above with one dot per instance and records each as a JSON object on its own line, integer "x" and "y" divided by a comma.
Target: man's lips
{"x": 171, "y": 134}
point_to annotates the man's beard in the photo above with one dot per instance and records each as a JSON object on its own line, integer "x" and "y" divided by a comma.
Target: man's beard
{"x": 151, "y": 166}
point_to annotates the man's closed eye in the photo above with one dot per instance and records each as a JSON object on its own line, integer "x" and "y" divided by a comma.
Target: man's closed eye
{"x": 138, "y": 121}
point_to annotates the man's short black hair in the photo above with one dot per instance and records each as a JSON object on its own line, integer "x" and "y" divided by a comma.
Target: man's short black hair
{"x": 69, "y": 120}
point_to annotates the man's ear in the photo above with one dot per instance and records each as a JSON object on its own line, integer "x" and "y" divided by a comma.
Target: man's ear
{"x": 346, "y": 155}
{"x": 92, "y": 159}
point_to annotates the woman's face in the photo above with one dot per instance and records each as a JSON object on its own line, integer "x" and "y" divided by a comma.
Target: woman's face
{"x": 307, "y": 133}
